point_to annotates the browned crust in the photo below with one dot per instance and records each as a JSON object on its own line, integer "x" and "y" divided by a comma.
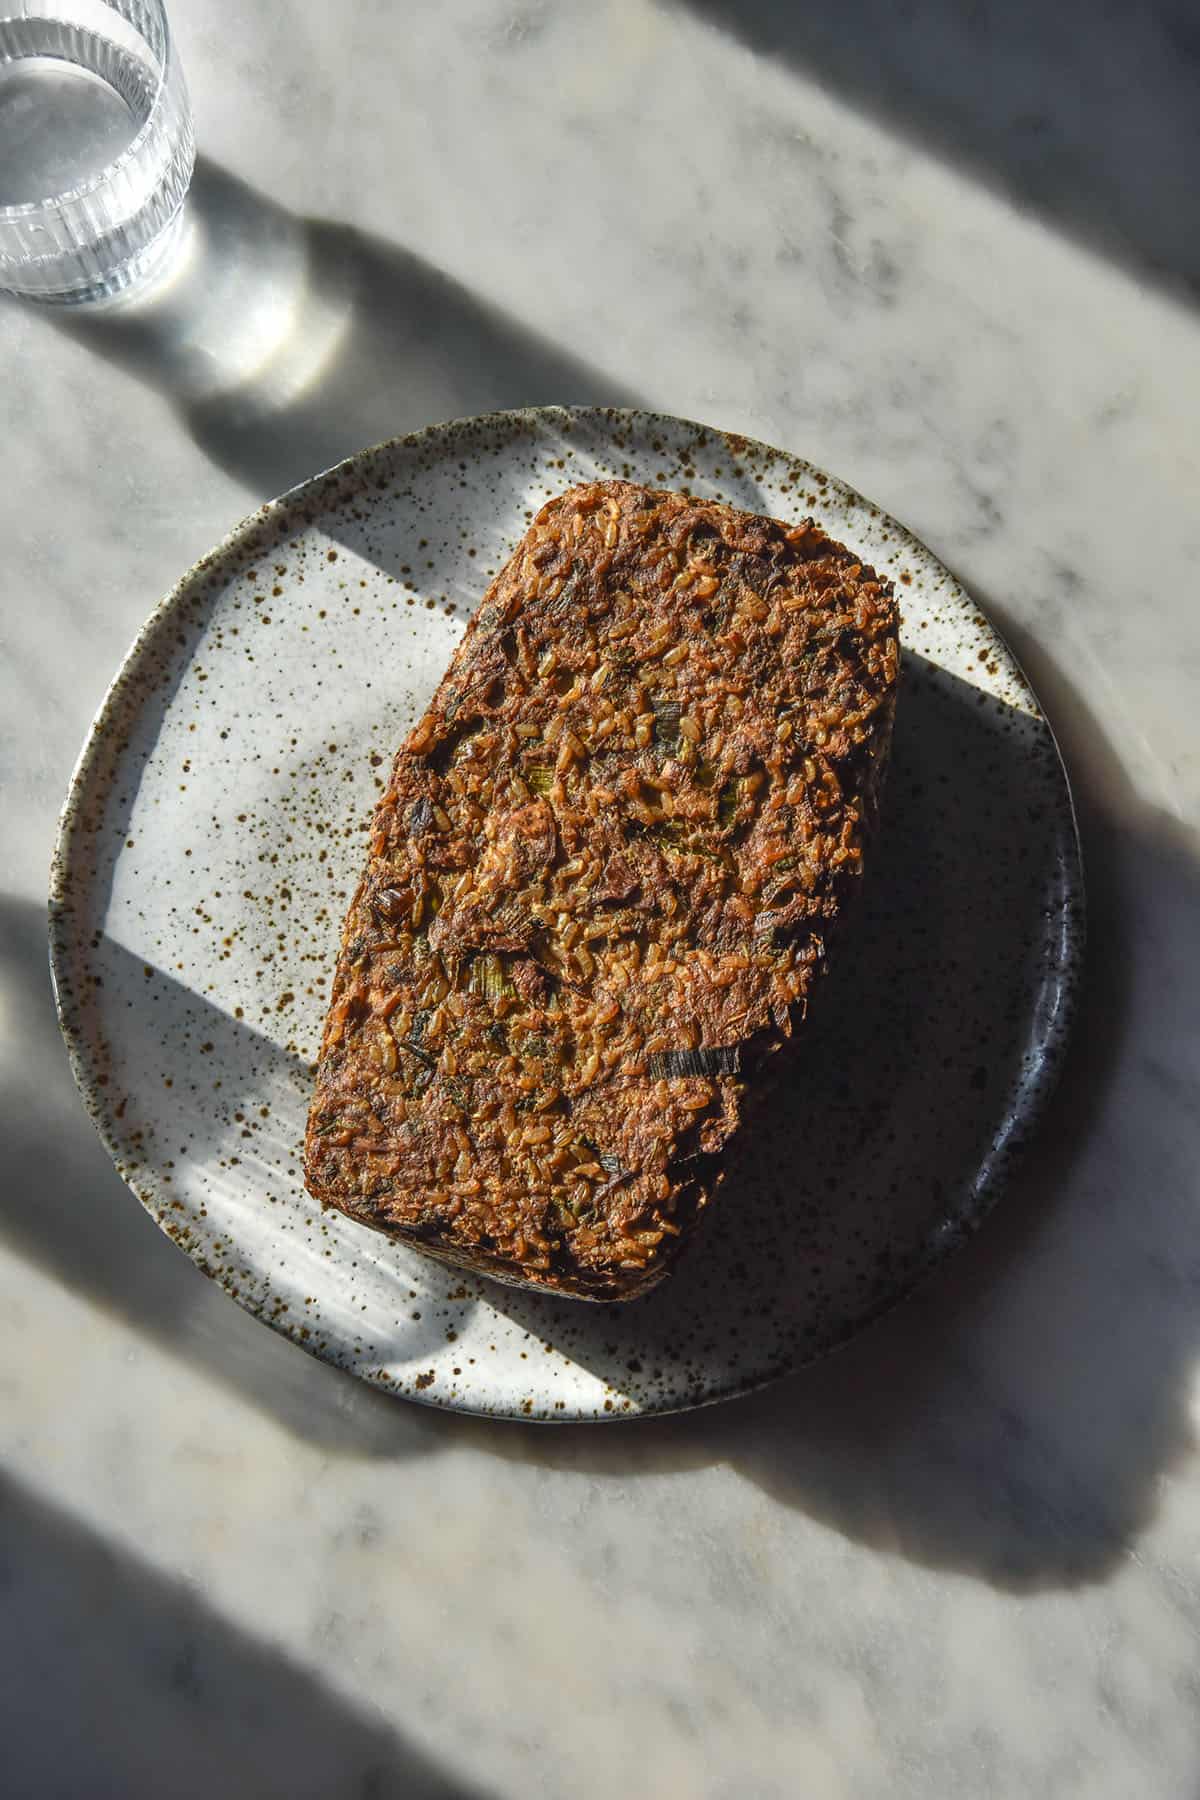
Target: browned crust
{"x": 601, "y": 884}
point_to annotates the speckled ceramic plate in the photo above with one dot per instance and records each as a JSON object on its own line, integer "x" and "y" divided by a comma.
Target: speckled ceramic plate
{"x": 214, "y": 831}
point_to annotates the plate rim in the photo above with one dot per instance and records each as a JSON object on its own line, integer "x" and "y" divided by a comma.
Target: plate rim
{"x": 939, "y": 1243}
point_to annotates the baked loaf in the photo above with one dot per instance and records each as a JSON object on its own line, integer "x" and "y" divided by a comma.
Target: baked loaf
{"x": 601, "y": 884}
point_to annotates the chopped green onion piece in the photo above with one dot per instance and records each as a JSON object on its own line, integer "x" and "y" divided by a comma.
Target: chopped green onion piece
{"x": 731, "y": 797}
{"x": 490, "y": 978}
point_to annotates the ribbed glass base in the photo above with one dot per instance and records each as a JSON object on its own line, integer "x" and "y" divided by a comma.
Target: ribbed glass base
{"x": 96, "y": 147}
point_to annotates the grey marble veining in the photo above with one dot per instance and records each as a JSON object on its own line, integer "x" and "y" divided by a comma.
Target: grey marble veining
{"x": 961, "y": 1558}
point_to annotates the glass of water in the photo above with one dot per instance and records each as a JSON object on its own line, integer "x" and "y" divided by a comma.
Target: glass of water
{"x": 96, "y": 146}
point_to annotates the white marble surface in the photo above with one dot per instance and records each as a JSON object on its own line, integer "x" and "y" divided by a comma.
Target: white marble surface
{"x": 961, "y": 1559}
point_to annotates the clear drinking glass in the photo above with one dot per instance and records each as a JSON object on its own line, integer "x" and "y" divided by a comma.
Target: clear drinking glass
{"x": 96, "y": 145}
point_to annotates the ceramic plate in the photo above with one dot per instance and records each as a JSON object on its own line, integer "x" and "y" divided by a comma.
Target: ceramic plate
{"x": 215, "y": 828}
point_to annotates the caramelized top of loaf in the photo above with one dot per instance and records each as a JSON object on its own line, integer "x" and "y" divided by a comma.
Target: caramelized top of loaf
{"x": 601, "y": 884}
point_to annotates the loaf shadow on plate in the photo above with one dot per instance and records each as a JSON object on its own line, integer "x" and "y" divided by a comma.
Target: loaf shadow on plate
{"x": 932, "y": 1046}
{"x": 1016, "y": 1418}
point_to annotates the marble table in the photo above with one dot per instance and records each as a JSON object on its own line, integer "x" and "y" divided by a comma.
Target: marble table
{"x": 951, "y": 257}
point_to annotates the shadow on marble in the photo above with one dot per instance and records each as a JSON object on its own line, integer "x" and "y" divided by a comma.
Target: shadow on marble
{"x": 63, "y": 1205}
{"x": 120, "y": 1681}
{"x": 1016, "y": 1418}
{"x": 286, "y": 343}
{"x": 1088, "y": 114}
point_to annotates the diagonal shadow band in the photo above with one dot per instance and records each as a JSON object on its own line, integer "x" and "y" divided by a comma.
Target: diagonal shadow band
{"x": 114, "y": 1674}
{"x": 64, "y": 1206}
{"x": 1086, "y": 114}
{"x": 287, "y": 343}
